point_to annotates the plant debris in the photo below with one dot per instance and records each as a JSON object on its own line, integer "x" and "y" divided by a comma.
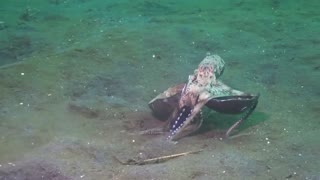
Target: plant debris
{"x": 155, "y": 160}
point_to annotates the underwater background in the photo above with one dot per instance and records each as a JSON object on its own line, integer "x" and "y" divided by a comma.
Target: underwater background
{"x": 76, "y": 77}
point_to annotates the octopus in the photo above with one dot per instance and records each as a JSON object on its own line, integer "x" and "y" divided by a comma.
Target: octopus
{"x": 181, "y": 104}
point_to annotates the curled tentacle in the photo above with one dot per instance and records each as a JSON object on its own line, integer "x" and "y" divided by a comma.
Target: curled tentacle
{"x": 244, "y": 117}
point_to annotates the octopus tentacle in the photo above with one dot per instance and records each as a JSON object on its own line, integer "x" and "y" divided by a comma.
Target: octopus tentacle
{"x": 175, "y": 126}
{"x": 244, "y": 117}
{"x": 182, "y": 131}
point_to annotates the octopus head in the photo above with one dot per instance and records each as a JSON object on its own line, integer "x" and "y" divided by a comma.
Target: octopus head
{"x": 210, "y": 68}
{"x": 205, "y": 74}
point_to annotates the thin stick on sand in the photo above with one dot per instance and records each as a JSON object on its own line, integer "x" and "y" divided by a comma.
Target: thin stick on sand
{"x": 155, "y": 160}
{"x": 11, "y": 65}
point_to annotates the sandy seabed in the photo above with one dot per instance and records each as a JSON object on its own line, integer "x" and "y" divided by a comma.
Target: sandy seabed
{"x": 76, "y": 77}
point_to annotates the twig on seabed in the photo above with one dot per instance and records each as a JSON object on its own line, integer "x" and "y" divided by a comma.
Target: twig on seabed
{"x": 11, "y": 65}
{"x": 239, "y": 135}
{"x": 155, "y": 160}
